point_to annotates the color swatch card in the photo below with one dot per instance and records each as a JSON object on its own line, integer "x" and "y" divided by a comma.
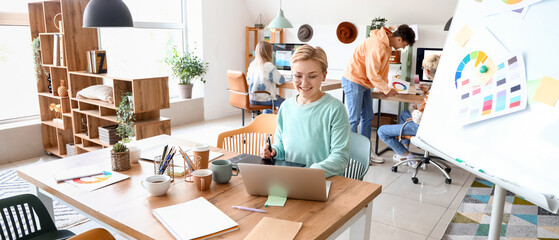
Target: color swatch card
{"x": 98, "y": 181}
{"x": 500, "y": 6}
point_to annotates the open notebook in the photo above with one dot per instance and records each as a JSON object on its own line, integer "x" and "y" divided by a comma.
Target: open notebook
{"x": 195, "y": 219}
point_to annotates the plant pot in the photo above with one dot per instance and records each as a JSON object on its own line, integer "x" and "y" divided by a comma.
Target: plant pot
{"x": 120, "y": 161}
{"x": 185, "y": 91}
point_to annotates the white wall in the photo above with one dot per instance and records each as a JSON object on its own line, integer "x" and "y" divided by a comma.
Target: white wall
{"x": 224, "y": 33}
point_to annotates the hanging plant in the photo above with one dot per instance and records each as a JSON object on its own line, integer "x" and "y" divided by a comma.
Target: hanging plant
{"x": 125, "y": 117}
{"x": 36, "y": 46}
{"x": 377, "y": 23}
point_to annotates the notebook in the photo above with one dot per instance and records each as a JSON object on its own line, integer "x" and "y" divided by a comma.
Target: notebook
{"x": 260, "y": 179}
{"x": 195, "y": 219}
{"x": 274, "y": 229}
{"x": 253, "y": 159}
{"x": 68, "y": 174}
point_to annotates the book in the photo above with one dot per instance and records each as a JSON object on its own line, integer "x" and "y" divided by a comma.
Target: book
{"x": 61, "y": 50}
{"x": 195, "y": 219}
{"x": 100, "y": 63}
{"x": 55, "y": 51}
{"x": 274, "y": 229}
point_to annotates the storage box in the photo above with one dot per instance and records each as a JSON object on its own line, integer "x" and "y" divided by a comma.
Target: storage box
{"x": 107, "y": 134}
{"x": 385, "y": 118}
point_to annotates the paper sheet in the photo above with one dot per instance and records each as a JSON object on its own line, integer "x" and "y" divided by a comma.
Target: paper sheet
{"x": 548, "y": 91}
{"x": 98, "y": 181}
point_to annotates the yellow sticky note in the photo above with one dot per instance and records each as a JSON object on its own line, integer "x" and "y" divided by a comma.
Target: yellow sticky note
{"x": 463, "y": 36}
{"x": 548, "y": 91}
{"x": 488, "y": 75}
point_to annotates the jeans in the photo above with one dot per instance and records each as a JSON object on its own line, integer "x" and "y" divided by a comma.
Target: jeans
{"x": 360, "y": 107}
{"x": 277, "y": 103}
{"x": 389, "y": 133}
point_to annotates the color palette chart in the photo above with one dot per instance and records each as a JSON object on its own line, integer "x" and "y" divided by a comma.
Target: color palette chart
{"x": 487, "y": 90}
{"x": 98, "y": 181}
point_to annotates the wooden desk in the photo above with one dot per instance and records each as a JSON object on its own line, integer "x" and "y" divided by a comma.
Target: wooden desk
{"x": 410, "y": 97}
{"x": 127, "y": 207}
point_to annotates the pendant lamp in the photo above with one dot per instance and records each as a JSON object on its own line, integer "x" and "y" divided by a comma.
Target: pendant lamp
{"x": 447, "y": 25}
{"x": 107, "y": 13}
{"x": 280, "y": 21}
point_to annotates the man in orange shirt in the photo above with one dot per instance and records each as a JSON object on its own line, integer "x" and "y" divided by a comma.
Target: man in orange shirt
{"x": 368, "y": 68}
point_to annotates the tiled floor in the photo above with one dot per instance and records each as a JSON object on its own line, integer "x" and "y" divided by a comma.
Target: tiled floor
{"x": 403, "y": 211}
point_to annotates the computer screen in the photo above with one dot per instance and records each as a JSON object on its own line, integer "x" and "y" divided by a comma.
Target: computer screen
{"x": 282, "y": 54}
{"x": 421, "y": 53}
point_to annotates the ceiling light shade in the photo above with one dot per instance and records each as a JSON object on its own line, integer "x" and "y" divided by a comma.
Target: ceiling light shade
{"x": 280, "y": 21}
{"x": 107, "y": 13}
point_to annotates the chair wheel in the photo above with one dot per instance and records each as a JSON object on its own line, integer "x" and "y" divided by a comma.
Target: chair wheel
{"x": 394, "y": 169}
{"x": 448, "y": 181}
{"x": 447, "y": 170}
{"x": 414, "y": 180}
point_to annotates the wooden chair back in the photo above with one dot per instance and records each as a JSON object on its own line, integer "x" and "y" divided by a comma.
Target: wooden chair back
{"x": 249, "y": 139}
{"x": 96, "y": 233}
{"x": 238, "y": 89}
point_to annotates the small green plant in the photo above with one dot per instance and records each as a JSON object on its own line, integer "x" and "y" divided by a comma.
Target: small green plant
{"x": 37, "y": 58}
{"x": 119, "y": 147}
{"x": 187, "y": 66}
{"x": 377, "y": 23}
{"x": 125, "y": 117}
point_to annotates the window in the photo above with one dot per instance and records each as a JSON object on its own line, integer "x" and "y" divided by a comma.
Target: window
{"x": 140, "y": 51}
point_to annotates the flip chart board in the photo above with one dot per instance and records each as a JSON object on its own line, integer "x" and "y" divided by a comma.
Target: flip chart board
{"x": 493, "y": 105}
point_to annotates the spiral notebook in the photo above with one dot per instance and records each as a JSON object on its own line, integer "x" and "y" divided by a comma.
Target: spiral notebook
{"x": 195, "y": 219}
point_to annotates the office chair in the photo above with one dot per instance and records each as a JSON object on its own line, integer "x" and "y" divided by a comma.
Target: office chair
{"x": 25, "y": 217}
{"x": 424, "y": 161}
{"x": 96, "y": 233}
{"x": 359, "y": 153}
{"x": 239, "y": 94}
{"x": 251, "y": 138}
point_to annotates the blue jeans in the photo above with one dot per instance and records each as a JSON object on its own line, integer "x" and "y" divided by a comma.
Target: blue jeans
{"x": 277, "y": 103}
{"x": 360, "y": 107}
{"x": 389, "y": 133}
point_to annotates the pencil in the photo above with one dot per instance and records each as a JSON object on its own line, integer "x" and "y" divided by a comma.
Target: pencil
{"x": 190, "y": 164}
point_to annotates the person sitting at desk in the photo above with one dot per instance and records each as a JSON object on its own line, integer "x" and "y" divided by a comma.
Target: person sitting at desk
{"x": 368, "y": 68}
{"x": 313, "y": 127}
{"x": 262, "y": 75}
{"x": 389, "y": 133}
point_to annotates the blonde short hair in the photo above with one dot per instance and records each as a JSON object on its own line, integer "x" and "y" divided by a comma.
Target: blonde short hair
{"x": 307, "y": 52}
{"x": 431, "y": 62}
{"x": 263, "y": 53}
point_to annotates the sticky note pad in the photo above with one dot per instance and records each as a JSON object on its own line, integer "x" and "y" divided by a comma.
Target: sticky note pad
{"x": 532, "y": 86}
{"x": 548, "y": 91}
{"x": 275, "y": 201}
{"x": 463, "y": 36}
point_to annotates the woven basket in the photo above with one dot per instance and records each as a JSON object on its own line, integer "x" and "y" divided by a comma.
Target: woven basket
{"x": 120, "y": 161}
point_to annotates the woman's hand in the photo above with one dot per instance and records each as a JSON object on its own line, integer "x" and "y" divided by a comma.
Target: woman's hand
{"x": 266, "y": 154}
{"x": 391, "y": 93}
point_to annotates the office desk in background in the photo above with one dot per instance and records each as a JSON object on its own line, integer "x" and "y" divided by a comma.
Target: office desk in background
{"x": 126, "y": 207}
{"x": 410, "y": 97}
{"x": 327, "y": 85}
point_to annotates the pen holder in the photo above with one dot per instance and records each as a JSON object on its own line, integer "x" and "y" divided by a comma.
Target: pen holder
{"x": 161, "y": 167}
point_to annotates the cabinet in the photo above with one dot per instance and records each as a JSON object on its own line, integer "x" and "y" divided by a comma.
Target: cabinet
{"x": 275, "y": 34}
{"x": 63, "y": 47}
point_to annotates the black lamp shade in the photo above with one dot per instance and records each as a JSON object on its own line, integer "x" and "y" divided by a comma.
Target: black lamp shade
{"x": 107, "y": 13}
{"x": 447, "y": 25}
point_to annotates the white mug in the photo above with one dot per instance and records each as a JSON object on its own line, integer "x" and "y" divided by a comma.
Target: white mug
{"x": 157, "y": 185}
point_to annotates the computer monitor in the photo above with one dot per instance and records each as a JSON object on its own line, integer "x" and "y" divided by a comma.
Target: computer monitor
{"x": 421, "y": 54}
{"x": 282, "y": 54}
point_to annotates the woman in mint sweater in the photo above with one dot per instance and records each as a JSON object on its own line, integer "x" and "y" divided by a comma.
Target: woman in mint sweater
{"x": 313, "y": 127}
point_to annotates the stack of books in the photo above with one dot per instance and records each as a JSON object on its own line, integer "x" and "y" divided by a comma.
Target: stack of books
{"x": 70, "y": 149}
{"x": 97, "y": 61}
{"x": 107, "y": 134}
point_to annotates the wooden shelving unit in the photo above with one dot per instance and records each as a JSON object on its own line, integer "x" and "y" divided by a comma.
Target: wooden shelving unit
{"x": 149, "y": 94}
{"x": 275, "y": 35}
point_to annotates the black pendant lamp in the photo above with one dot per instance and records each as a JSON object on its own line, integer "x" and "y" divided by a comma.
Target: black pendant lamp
{"x": 107, "y": 13}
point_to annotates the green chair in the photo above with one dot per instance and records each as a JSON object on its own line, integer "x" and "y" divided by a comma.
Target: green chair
{"x": 359, "y": 154}
{"x": 25, "y": 217}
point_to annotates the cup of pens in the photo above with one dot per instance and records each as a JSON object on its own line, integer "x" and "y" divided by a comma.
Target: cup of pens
{"x": 164, "y": 167}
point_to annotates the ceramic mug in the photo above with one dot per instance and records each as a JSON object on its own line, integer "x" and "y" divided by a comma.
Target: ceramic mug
{"x": 203, "y": 151}
{"x": 157, "y": 185}
{"x": 222, "y": 171}
{"x": 202, "y": 178}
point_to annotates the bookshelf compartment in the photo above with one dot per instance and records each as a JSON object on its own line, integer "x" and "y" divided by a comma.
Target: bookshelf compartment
{"x": 47, "y": 42}
{"x": 58, "y": 75}
{"x": 79, "y": 82}
{"x": 51, "y": 8}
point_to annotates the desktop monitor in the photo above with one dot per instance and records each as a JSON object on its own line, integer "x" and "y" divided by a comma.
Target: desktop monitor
{"x": 282, "y": 54}
{"x": 421, "y": 53}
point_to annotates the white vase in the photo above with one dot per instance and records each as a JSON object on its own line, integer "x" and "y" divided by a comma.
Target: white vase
{"x": 134, "y": 154}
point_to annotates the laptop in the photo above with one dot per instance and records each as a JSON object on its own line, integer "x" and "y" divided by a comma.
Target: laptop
{"x": 253, "y": 159}
{"x": 297, "y": 183}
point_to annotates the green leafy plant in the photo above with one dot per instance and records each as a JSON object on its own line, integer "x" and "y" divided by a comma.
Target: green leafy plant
{"x": 377, "y": 23}
{"x": 35, "y": 44}
{"x": 125, "y": 117}
{"x": 119, "y": 147}
{"x": 187, "y": 66}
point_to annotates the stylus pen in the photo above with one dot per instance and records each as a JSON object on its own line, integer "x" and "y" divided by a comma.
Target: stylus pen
{"x": 250, "y": 209}
{"x": 270, "y": 148}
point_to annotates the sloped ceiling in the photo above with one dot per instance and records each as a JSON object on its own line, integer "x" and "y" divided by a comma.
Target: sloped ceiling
{"x": 356, "y": 11}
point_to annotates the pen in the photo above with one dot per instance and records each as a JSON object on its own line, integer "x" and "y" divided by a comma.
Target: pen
{"x": 250, "y": 209}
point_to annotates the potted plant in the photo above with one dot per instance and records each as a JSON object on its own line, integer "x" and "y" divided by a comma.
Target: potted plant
{"x": 120, "y": 154}
{"x": 186, "y": 67}
{"x": 120, "y": 157}
{"x": 377, "y": 23}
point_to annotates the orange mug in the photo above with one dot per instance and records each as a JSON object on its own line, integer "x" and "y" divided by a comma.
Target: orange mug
{"x": 202, "y": 178}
